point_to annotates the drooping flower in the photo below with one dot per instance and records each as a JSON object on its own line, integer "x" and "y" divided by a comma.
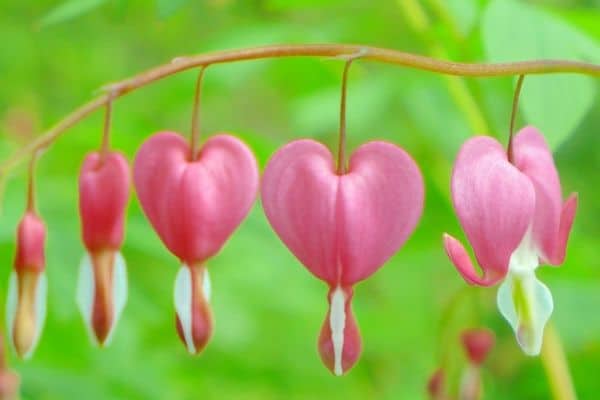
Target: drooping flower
{"x": 27, "y": 289}
{"x": 514, "y": 218}
{"x": 342, "y": 227}
{"x": 194, "y": 206}
{"x": 104, "y": 183}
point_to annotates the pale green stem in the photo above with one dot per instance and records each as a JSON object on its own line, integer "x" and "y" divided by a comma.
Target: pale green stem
{"x": 419, "y": 22}
{"x": 555, "y": 364}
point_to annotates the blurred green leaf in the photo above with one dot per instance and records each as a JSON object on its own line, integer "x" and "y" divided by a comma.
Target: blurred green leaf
{"x": 556, "y": 104}
{"x": 68, "y": 10}
{"x": 297, "y": 4}
{"x": 166, "y": 8}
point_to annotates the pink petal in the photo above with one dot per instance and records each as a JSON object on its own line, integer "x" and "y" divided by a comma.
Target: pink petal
{"x": 534, "y": 159}
{"x": 342, "y": 228}
{"x": 299, "y": 192}
{"x": 31, "y": 239}
{"x": 380, "y": 203}
{"x": 495, "y": 205}
{"x": 103, "y": 194}
{"x": 195, "y": 205}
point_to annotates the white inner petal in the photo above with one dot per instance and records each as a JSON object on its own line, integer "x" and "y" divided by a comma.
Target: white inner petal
{"x": 527, "y": 304}
{"x": 183, "y": 305}
{"x": 523, "y": 300}
{"x": 85, "y": 293}
{"x": 206, "y": 285}
{"x": 41, "y": 293}
{"x": 337, "y": 322}
{"x": 119, "y": 282}
{"x": 12, "y": 300}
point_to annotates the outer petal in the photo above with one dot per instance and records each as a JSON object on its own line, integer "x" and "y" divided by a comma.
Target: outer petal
{"x": 495, "y": 205}
{"x": 103, "y": 194}
{"x": 551, "y": 226}
{"x": 299, "y": 191}
{"x": 31, "y": 238}
{"x": 195, "y": 205}
{"x": 342, "y": 228}
{"x": 380, "y": 203}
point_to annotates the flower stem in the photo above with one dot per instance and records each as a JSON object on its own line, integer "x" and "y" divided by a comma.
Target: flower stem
{"x": 555, "y": 364}
{"x": 513, "y": 116}
{"x": 341, "y": 162}
{"x": 382, "y": 55}
{"x": 195, "y": 131}
{"x": 105, "y": 146}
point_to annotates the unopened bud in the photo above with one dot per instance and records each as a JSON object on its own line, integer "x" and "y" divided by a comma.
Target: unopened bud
{"x": 26, "y": 302}
{"x": 477, "y": 344}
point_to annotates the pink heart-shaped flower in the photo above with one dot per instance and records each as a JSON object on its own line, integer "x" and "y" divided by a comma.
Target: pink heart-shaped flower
{"x": 343, "y": 228}
{"x": 194, "y": 206}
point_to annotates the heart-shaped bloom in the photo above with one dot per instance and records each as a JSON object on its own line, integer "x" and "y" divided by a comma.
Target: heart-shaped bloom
{"x": 27, "y": 289}
{"x": 104, "y": 183}
{"x": 343, "y": 227}
{"x": 194, "y": 206}
{"x": 514, "y": 218}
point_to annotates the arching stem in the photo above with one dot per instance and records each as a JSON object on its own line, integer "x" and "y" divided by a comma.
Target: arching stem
{"x": 383, "y": 55}
{"x": 513, "y": 116}
{"x": 195, "y": 129}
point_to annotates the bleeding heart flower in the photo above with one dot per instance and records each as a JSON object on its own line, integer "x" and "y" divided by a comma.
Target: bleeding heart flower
{"x": 104, "y": 183}
{"x": 514, "y": 218}
{"x": 477, "y": 343}
{"x": 194, "y": 206}
{"x": 27, "y": 288}
{"x": 343, "y": 227}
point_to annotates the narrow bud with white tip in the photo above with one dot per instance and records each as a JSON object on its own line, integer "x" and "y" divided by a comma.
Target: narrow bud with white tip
{"x": 102, "y": 285}
{"x": 27, "y": 289}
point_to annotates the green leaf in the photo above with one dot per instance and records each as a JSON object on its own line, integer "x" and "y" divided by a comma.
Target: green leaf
{"x": 554, "y": 103}
{"x": 166, "y": 8}
{"x": 68, "y": 10}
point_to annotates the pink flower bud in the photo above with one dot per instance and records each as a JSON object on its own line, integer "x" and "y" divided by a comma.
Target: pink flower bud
{"x": 102, "y": 286}
{"x": 26, "y": 302}
{"x": 477, "y": 344}
{"x": 436, "y": 385}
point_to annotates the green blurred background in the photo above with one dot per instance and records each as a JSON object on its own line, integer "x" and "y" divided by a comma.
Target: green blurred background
{"x": 268, "y": 308}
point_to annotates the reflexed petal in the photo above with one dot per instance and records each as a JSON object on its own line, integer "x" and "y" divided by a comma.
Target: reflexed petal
{"x": 495, "y": 205}
{"x": 533, "y": 157}
{"x": 527, "y": 304}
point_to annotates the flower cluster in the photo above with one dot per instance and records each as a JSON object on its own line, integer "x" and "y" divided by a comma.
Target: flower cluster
{"x": 341, "y": 223}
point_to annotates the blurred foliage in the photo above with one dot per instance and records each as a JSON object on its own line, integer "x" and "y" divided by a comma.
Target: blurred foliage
{"x": 268, "y": 309}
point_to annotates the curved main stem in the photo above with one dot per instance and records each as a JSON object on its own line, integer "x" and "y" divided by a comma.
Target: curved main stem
{"x": 383, "y": 55}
